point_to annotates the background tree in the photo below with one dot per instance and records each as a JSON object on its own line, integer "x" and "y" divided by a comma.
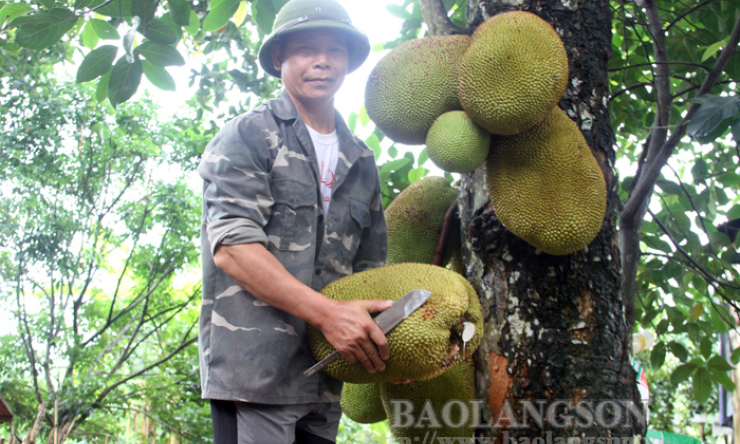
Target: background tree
{"x": 97, "y": 222}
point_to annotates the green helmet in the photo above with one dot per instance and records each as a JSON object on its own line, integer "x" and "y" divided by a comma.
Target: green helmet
{"x": 298, "y": 15}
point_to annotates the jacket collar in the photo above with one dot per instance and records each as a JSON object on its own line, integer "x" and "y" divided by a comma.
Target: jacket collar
{"x": 284, "y": 109}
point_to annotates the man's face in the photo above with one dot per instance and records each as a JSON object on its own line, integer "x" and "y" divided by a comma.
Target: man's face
{"x": 313, "y": 64}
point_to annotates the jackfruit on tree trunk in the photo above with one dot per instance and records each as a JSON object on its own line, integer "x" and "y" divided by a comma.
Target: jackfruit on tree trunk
{"x": 413, "y": 85}
{"x": 513, "y": 74}
{"x": 546, "y": 186}
{"x": 415, "y": 220}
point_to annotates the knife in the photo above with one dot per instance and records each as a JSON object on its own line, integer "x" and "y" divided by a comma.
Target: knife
{"x": 386, "y": 320}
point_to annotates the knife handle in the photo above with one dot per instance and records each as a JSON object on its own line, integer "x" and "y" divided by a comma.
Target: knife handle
{"x": 322, "y": 364}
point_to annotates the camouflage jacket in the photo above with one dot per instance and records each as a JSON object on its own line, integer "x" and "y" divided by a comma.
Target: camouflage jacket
{"x": 261, "y": 184}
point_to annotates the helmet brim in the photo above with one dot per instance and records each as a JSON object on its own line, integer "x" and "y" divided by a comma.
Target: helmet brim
{"x": 358, "y": 45}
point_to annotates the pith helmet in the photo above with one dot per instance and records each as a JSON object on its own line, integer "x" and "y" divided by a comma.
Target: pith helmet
{"x": 299, "y": 15}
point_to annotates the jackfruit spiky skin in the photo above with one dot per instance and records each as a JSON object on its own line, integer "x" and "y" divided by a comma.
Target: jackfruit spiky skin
{"x": 413, "y": 85}
{"x": 423, "y": 345}
{"x": 361, "y": 402}
{"x": 456, "y": 384}
{"x": 546, "y": 186}
{"x": 514, "y": 72}
{"x": 415, "y": 219}
{"x": 457, "y": 144}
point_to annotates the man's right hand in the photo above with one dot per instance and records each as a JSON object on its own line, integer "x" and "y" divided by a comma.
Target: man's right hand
{"x": 355, "y": 335}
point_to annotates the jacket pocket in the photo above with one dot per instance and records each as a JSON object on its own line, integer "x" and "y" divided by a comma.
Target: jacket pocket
{"x": 293, "y": 221}
{"x": 358, "y": 220}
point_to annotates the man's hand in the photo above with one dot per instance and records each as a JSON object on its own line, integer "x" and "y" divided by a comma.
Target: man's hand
{"x": 355, "y": 334}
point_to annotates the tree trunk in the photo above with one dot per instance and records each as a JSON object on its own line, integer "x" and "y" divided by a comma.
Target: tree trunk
{"x": 555, "y": 326}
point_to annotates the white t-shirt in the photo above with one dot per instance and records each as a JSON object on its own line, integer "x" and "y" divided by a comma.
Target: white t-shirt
{"x": 327, "y": 153}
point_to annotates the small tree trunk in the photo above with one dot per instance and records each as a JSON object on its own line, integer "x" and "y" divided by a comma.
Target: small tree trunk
{"x": 555, "y": 327}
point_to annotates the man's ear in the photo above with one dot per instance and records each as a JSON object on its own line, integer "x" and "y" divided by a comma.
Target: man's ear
{"x": 277, "y": 57}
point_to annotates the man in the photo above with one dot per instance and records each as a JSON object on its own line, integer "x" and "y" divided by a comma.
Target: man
{"x": 291, "y": 202}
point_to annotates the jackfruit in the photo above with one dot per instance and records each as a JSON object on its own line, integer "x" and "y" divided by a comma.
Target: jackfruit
{"x": 361, "y": 402}
{"x": 457, "y": 144}
{"x": 413, "y": 85}
{"x": 425, "y": 344}
{"x": 448, "y": 396}
{"x": 415, "y": 219}
{"x": 546, "y": 186}
{"x": 514, "y": 72}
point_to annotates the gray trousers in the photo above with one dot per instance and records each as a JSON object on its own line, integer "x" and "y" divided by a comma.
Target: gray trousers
{"x": 251, "y": 423}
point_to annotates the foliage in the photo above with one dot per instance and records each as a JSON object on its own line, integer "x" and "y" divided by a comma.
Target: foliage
{"x": 98, "y": 224}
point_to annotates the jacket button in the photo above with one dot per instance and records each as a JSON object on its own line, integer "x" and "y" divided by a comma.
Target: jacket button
{"x": 318, "y": 272}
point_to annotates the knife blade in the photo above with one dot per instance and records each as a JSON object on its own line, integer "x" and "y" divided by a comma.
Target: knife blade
{"x": 386, "y": 320}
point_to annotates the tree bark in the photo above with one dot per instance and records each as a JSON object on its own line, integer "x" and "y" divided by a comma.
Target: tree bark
{"x": 555, "y": 325}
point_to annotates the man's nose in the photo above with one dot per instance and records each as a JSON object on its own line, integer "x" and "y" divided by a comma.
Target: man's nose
{"x": 322, "y": 59}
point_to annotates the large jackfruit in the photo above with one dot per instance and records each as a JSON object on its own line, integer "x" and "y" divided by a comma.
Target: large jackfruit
{"x": 457, "y": 144}
{"x": 413, "y": 85}
{"x": 426, "y": 343}
{"x": 514, "y": 72}
{"x": 362, "y": 403}
{"x": 447, "y": 395}
{"x": 415, "y": 220}
{"x": 546, "y": 186}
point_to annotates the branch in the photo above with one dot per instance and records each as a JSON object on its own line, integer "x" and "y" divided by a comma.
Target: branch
{"x": 26, "y": 337}
{"x": 444, "y": 237}
{"x": 112, "y": 387}
{"x": 170, "y": 268}
{"x": 689, "y": 11}
{"x": 629, "y": 88}
{"x": 645, "y": 186}
{"x": 657, "y": 63}
{"x": 436, "y": 19}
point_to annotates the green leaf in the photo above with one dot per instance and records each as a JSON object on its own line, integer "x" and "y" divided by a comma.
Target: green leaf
{"x": 398, "y": 11}
{"x": 394, "y": 165}
{"x": 11, "y": 11}
{"x": 374, "y": 144}
{"x": 423, "y": 157}
{"x": 713, "y": 111}
{"x": 719, "y": 363}
{"x": 678, "y": 351}
{"x": 160, "y": 31}
{"x": 723, "y": 378}
{"x": 89, "y": 37}
{"x": 352, "y": 121}
{"x": 47, "y": 30}
{"x": 160, "y": 54}
{"x": 263, "y": 14}
{"x": 705, "y": 347}
{"x": 145, "y": 9}
{"x": 450, "y": 178}
{"x": 712, "y": 49}
{"x": 180, "y": 11}
{"x": 48, "y": 4}
{"x": 158, "y": 76}
{"x": 719, "y": 318}
{"x": 735, "y": 357}
{"x": 101, "y": 92}
{"x": 735, "y": 128}
{"x": 657, "y": 355}
{"x": 194, "y": 25}
{"x": 241, "y": 14}
{"x": 682, "y": 373}
{"x": 104, "y": 30}
{"x": 392, "y": 151}
{"x": 116, "y": 8}
{"x": 220, "y": 13}
{"x": 97, "y": 63}
{"x": 702, "y": 384}
{"x": 417, "y": 173}
{"x": 124, "y": 80}
{"x": 364, "y": 118}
